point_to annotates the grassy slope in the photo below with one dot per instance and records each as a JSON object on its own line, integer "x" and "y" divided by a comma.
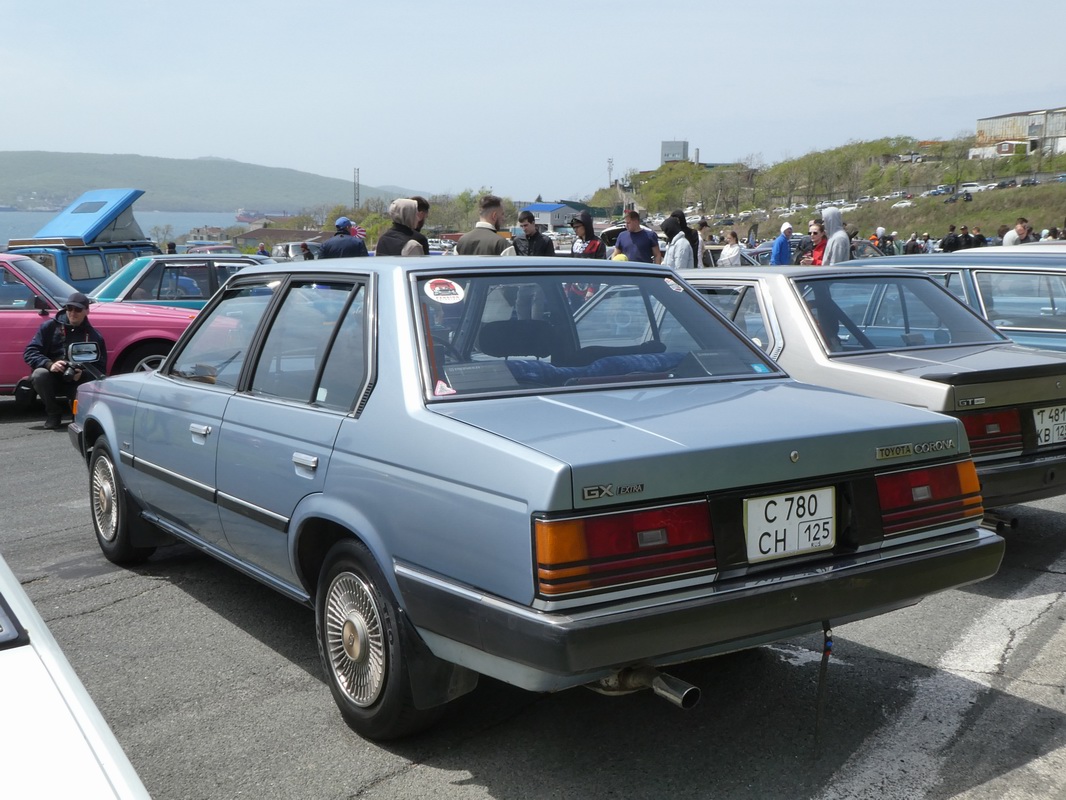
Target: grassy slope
{"x": 1044, "y": 206}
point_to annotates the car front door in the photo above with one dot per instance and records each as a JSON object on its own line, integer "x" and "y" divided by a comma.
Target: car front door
{"x": 19, "y": 321}
{"x": 278, "y": 434}
{"x": 180, "y": 414}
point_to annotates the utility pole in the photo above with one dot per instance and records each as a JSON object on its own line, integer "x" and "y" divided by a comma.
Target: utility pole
{"x": 355, "y": 181}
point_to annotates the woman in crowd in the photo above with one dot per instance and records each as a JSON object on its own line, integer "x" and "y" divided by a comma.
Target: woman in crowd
{"x": 730, "y": 255}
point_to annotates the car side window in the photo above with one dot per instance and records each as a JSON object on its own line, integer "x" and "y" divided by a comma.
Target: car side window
{"x": 217, "y": 349}
{"x": 14, "y": 294}
{"x": 84, "y": 267}
{"x": 298, "y": 340}
{"x": 1024, "y": 299}
{"x": 346, "y": 364}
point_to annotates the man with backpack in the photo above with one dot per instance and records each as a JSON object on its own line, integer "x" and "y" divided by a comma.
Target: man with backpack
{"x": 950, "y": 243}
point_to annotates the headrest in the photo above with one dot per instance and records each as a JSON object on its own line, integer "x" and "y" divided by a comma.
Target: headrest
{"x": 516, "y": 337}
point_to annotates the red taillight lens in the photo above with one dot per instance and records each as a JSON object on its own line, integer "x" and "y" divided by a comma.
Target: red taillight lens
{"x": 596, "y": 552}
{"x": 993, "y": 431}
{"x": 921, "y": 499}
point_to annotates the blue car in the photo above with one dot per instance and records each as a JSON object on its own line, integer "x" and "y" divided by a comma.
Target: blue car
{"x": 467, "y": 468}
{"x": 1021, "y": 290}
{"x": 184, "y": 281}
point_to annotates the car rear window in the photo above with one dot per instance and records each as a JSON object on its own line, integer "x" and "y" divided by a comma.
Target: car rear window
{"x": 520, "y": 333}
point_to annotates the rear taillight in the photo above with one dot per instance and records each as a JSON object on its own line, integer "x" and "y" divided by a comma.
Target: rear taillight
{"x": 916, "y": 500}
{"x": 596, "y": 552}
{"x": 993, "y": 431}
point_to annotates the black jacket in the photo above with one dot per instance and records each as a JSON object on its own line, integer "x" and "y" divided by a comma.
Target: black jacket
{"x": 50, "y": 342}
{"x": 536, "y": 245}
{"x": 393, "y": 240}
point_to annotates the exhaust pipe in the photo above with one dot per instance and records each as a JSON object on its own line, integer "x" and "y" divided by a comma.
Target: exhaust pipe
{"x": 1000, "y": 523}
{"x": 678, "y": 692}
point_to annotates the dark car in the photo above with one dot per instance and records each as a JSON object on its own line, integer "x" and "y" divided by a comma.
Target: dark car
{"x": 1006, "y": 183}
{"x": 1030, "y": 182}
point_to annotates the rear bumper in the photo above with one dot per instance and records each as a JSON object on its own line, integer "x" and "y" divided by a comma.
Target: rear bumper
{"x": 1022, "y": 480}
{"x": 540, "y": 650}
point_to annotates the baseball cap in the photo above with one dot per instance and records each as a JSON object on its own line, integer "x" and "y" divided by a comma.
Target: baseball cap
{"x": 343, "y": 222}
{"x": 786, "y": 226}
{"x": 78, "y": 300}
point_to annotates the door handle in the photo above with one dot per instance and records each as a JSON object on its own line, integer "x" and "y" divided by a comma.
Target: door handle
{"x": 199, "y": 430}
{"x": 301, "y": 460}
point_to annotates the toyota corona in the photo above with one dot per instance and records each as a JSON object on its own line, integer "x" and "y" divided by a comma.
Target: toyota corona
{"x": 466, "y": 469}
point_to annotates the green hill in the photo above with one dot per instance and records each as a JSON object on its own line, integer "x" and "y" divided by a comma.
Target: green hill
{"x": 33, "y": 179}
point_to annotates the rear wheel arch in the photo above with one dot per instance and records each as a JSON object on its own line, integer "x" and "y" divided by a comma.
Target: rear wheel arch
{"x": 315, "y": 539}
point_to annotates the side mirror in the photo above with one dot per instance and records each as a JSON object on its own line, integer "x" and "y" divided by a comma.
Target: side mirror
{"x": 83, "y": 352}
{"x": 40, "y": 304}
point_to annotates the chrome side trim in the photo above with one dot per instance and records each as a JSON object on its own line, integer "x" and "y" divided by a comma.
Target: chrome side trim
{"x": 256, "y": 513}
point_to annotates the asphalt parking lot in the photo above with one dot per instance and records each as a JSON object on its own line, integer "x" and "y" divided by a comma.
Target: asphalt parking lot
{"x": 212, "y": 684}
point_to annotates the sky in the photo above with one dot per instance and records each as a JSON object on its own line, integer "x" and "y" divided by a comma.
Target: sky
{"x": 525, "y": 99}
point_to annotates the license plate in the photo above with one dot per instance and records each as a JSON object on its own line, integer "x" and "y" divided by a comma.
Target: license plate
{"x": 1050, "y": 425}
{"x": 782, "y": 525}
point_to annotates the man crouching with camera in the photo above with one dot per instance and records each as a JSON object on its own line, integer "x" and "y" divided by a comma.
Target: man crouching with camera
{"x": 47, "y": 352}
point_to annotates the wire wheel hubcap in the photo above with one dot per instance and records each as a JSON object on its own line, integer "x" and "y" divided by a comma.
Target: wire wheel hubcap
{"x": 354, "y": 639}
{"x": 105, "y": 511}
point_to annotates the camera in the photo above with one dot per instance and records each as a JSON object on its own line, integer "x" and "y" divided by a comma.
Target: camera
{"x": 68, "y": 373}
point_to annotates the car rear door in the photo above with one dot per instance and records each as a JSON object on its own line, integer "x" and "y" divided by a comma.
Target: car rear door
{"x": 277, "y": 436}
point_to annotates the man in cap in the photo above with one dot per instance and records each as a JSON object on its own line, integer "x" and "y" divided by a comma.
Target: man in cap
{"x": 47, "y": 352}
{"x": 928, "y": 245}
{"x": 343, "y": 244}
{"x": 781, "y": 254}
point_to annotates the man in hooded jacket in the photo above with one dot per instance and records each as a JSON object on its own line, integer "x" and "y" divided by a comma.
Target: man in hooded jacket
{"x": 838, "y": 245}
{"x": 587, "y": 244}
{"x": 400, "y": 239}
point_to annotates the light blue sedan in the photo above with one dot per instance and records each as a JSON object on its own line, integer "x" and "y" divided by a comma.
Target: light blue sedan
{"x": 467, "y": 468}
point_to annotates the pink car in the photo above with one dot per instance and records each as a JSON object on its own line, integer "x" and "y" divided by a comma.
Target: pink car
{"x": 137, "y": 336}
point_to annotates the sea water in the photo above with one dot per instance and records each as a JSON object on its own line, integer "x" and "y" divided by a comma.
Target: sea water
{"x": 24, "y": 224}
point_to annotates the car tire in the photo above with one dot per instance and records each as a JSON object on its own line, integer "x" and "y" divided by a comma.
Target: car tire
{"x": 110, "y": 508}
{"x": 361, "y": 645}
{"x": 142, "y": 358}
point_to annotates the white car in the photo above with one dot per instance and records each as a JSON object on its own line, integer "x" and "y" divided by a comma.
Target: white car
{"x": 903, "y": 204}
{"x": 53, "y": 739}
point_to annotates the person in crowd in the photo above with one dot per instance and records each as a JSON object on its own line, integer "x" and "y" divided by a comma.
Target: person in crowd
{"x": 485, "y": 239}
{"x": 262, "y": 251}
{"x": 638, "y": 243}
{"x": 965, "y": 240}
{"x": 586, "y": 243}
{"x": 979, "y": 239}
{"x": 782, "y": 250}
{"x": 305, "y": 252}
{"x": 1020, "y": 234}
{"x": 47, "y": 352}
{"x": 885, "y": 243}
{"x": 897, "y": 245}
{"x": 678, "y": 253}
{"x": 1001, "y": 232}
{"x": 533, "y": 243}
{"x": 343, "y": 244}
{"x": 399, "y": 240}
{"x": 950, "y": 242}
{"x": 838, "y": 245}
{"x": 172, "y": 248}
{"x": 815, "y": 257}
{"x": 913, "y": 246}
{"x": 806, "y": 245}
{"x": 928, "y": 245}
{"x": 420, "y": 221}
{"x": 693, "y": 238}
{"x": 730, "y": 255}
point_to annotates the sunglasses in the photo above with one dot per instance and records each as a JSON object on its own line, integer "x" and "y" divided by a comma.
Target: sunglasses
{"x": 73, "y": 308}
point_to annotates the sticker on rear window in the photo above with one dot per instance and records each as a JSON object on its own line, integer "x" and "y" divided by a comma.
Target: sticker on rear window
{"x": 674, "y": 285}
{"x": 444, "y": 291}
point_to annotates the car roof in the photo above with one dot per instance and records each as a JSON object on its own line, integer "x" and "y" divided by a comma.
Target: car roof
{"x": 1051, "y": 258}
{"x": 755, "y": 272}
